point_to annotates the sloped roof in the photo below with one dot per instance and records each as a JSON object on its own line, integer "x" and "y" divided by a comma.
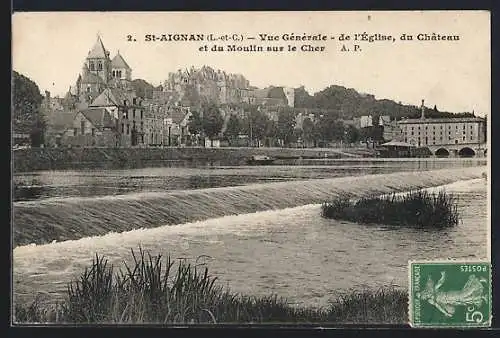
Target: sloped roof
{"x": 443, "y": 120}
{"x": 119, "y": 62}
{"x": 176, "y": 114}
{"x": 112, "y": 96}
{"x": 98, "y": 51}
{"x": 260, "y": 93}
{"x": 60, "y": 120}
{"x": 99, "y": 117}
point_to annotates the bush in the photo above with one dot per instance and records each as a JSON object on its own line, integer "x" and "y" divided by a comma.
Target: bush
{"x": 150, "y": 292}
{"x": 420, "y": 209}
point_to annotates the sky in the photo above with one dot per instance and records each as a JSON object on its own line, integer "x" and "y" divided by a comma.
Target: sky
{"x": 50, "y": 48}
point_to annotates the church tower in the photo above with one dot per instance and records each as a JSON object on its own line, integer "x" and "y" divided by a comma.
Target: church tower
{"x": 98, "y": 61}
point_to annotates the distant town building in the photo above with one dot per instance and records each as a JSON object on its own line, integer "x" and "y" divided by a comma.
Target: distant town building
{"x": 366, "y": 121}
{"x": 444, "y": 132}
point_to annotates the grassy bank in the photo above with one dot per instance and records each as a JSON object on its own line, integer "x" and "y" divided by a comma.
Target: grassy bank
{"x": 420, "y": 209}
{"x": 153, "y": 290}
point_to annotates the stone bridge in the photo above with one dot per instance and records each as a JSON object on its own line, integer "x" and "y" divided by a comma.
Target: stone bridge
{"x": 459, "y": 150}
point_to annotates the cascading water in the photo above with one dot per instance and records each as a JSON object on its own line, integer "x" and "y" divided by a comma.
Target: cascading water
{"x": 72, "y": 218}
{"x": 291, "y": 252}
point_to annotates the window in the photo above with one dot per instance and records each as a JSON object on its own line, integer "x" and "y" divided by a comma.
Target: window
{"x": 134, "y": 100}
{"x": 463, "y": 138}
{"x": 133, "y": 113}
{"x": 75, "y": 131}
{"x": 114, "y": 74}
{"x": 142, "y": 114}
{"x": 91, "y": 65}
{"x": 82, "y": 127}
{"x": 126, "y": 114}
{"x": 93, "y": 131}
{"x": 123, "y": 128}
{"x": 88, "y": 89}
{"x": 124, "y": 102}
{"x": 128, "y": 129}
{"x": 142, "y": 126}
{"x": 99, "y": 65}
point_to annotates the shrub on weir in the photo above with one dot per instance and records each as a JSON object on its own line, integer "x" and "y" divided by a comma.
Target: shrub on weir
{"x": 420, "y": 209}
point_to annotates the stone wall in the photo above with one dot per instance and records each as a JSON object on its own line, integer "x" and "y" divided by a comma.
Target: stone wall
{"x": 33, "y": 159}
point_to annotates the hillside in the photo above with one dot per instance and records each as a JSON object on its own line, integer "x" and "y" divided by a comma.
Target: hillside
{"x": 348, "y": 103}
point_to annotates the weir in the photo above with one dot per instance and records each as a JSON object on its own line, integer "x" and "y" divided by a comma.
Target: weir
{"x": 72, "y": 218}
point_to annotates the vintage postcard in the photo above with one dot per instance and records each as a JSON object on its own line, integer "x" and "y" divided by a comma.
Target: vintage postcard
{"x": 251, "y": 167}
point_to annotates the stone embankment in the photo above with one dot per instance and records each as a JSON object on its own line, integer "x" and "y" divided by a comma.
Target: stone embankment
{"x": 33, "y": 159}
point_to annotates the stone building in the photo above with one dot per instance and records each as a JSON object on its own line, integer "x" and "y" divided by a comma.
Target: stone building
{"x": 128, "y": 113}
{"x": 92, "y": 127}
{"x": 445, "y": 136}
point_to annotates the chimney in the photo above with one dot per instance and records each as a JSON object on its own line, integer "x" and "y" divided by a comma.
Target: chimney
{"x": 423, "y": 111}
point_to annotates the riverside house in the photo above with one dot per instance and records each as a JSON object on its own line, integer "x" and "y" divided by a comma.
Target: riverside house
{"x": 128, "y": 114}
{"x": 92, "y": 127}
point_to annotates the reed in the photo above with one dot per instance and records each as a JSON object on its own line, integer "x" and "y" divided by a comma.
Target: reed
{"x": 420, "y": 209}
{"x": 156, "y": 290}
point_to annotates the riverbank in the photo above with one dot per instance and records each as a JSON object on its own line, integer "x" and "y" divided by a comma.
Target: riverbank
{"x": 185, "y": 293}
{"x": 33, "y": 159}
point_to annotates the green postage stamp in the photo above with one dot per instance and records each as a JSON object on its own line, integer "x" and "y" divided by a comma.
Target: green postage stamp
{"x": 449, "y": 294}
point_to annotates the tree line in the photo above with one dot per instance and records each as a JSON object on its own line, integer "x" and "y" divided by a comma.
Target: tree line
{"x": 260, "y": 128}
{"x": 27, "y": 117}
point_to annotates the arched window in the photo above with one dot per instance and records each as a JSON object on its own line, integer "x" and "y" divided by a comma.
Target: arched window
{"x": 91, "y": 65}
{"x": 99, "y": 65}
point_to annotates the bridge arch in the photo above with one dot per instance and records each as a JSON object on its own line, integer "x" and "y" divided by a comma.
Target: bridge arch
{"x": 442, "y": 152}
{"x": 466, "y": 152}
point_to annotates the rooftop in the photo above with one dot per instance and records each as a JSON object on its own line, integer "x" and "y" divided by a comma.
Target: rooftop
{"x": 98, "y": 51}
{"x": 119, "y": 62}
{"x": 99, "y": 117}
{"x": 443, "y": 120}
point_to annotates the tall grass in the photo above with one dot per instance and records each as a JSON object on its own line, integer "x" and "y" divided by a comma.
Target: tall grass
{"x": 154, "y": 290}
{"x": 420, "y": 209}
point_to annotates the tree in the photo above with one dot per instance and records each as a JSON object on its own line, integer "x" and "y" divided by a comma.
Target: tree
{"x": 255, "y": 125}
{"x": 27, "y": 116}
{"x": 308, "y": 131}
{"x": 233, "y": 128}
{"x": 330, "y": 129}
{"x": 212, "y": 122}
{"x": 195, "y": 123}
{"x": 286, "y": 126}
{"x": 352, "y": 134}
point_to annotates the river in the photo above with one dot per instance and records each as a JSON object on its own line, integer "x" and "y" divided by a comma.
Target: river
{"x": 288, "y": 250}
